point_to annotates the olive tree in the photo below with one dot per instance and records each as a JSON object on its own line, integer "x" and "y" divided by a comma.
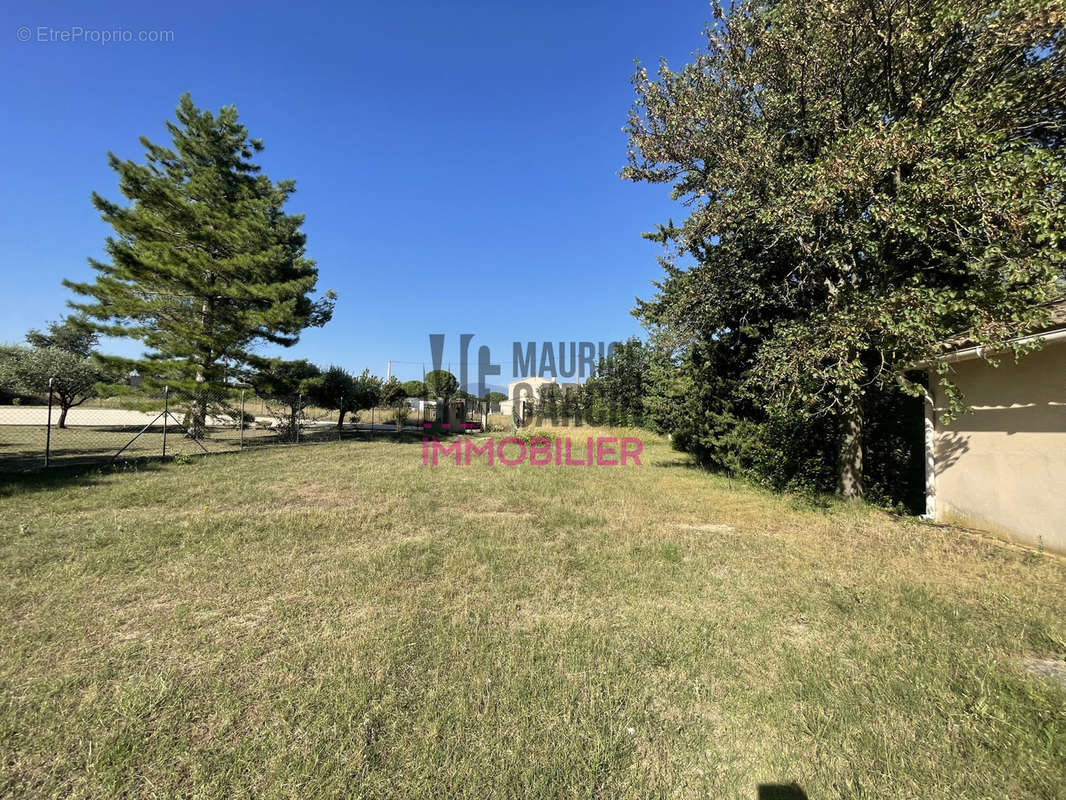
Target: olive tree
{"x": 71, "y": 378}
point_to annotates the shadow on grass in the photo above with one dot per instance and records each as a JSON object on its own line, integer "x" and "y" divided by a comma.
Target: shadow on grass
{"x": 83, "y": 467}
{"x": 83, "y": 473}
{"x": 781, "y": 791}
{"x": 799, "y": 498}
{"x": 683, "y": 464}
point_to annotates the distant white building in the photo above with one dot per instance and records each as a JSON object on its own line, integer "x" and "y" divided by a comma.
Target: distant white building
{"x": 420, "y": 405}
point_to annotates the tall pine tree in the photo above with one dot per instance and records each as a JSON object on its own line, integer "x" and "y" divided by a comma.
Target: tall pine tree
{"x": 205, "y": 263}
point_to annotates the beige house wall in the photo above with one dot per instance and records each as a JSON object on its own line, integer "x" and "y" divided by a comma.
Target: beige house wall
{"x": 1002, "y": 467}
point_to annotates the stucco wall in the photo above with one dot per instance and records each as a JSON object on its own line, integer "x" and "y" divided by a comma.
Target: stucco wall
{"x": 1002, "y": 467}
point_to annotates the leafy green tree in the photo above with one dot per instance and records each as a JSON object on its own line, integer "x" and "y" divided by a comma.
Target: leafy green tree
{"x": 863, "y": 178}
{"x": 549, "y": 401}
{"x": 29, "y": 370}
{"x": 443, "y": 385}
{"x": 335, "y": 390}
{"x": 289, "y": 383}
{"x": 414, "y": 389}
{"x": 204, "y": 263}
{"x": 615, "y": 394}
{"x": 573, "y": 403}
{"x": 368, "y": 391}
{"x": 340, "y": 391}
{"x": 394, "y": 395}
{"x": 620, "y": 383}
{"x": 70, "y": 334}
{"x": 392, "y": 392}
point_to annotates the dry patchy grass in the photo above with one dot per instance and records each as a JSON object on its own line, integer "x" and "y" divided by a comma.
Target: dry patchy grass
{"x": 339, "y": 620}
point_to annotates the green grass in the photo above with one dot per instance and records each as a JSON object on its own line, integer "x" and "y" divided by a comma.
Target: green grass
{"x": 340, "y": 621}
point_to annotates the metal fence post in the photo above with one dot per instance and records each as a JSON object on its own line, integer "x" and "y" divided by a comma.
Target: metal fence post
{"x": 166, "y": 413}
{"x": 242, "y": 419}
{"x": 371, "y": 422}
{"x": 300, "y": 414}
{"x": 48, "y": 427}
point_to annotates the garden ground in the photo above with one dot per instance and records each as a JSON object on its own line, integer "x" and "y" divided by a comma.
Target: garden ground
{"x": 339, "y": 620}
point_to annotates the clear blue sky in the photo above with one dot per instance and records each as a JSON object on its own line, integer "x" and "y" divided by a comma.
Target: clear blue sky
{"x": 476, "y": 140}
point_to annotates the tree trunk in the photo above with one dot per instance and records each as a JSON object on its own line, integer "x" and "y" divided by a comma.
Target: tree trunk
{"x": 63, "y": 409}
{"x": 198, "y": 410}
{"x": 196, "y": 418}
{"x": 340, "y": 418}
{"x": 850, "y": 485}
{"x": 293, "y": 423}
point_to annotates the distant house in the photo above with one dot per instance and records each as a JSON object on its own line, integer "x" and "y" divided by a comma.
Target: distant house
{"x": 1002, "y": 467}
{"x": 420, "y": 405}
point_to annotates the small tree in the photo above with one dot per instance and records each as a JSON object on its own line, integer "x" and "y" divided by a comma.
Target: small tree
{"x": 392, "y": 391}
{"x": 335, "y": 390}
{"x": 414, "y": 389}
{"x": 443, "y": 385}
{"x": 368, "y": 389}
{"x": 393, "y": 394}
{"x": 29, "y": 369}
{"x": 290, "y": 383}
{"x": 70, "y": 333}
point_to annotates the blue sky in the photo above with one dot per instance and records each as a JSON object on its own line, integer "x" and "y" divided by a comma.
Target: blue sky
{"x": 457, "y": 162}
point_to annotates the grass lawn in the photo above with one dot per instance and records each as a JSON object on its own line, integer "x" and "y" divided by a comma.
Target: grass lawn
{"x": 22, "y": 447}
{"x": 339, "y": 621}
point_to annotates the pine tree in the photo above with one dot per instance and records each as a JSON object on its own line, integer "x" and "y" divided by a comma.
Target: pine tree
{"x": 204, "y": 263}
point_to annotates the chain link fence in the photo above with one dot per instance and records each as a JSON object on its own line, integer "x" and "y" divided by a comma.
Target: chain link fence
{"x": 42, "y": 432}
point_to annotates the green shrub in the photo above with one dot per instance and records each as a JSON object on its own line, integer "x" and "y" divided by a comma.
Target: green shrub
{"x": 800, "y": 453}
{"x": 527, "y": 435}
